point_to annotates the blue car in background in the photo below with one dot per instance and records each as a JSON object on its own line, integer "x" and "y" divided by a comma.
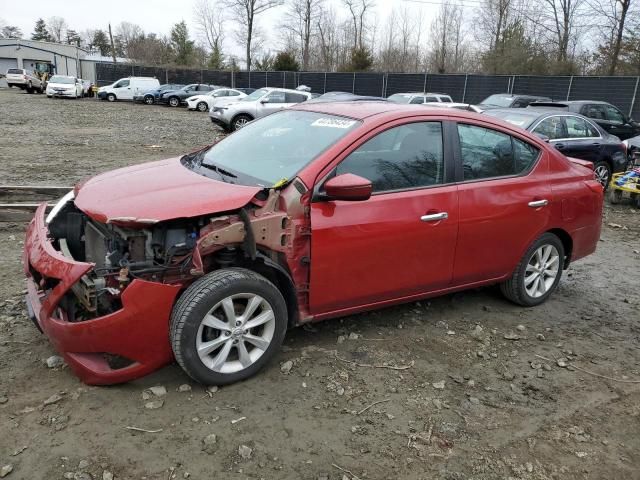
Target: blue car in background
{"x": 152, "y": 96}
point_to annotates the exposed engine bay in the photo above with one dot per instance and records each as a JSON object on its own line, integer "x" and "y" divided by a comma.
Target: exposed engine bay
{"x": 175, "y": 251}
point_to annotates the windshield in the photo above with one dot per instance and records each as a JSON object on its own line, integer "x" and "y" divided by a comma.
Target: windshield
{"x": 519, "y": 119}
{"x": 276, "y": 147}
{"x": 400, "y": 98}
{"x": 255, "y": 95}
{"x": 498, "y": 100}
{"x": 61, "y": 79}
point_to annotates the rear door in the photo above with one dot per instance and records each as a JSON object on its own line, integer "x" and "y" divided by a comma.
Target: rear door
{"x": 619, "y": 123}
{"x": 504, "y": 198}
{"x": 401, "y": 241}
{"x": 583, "y": 140}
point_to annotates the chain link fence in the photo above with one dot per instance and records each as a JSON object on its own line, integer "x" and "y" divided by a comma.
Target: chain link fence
{"x": 620, "y": 91}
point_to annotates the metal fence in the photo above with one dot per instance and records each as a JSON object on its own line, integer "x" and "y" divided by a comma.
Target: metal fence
{"x": 620, "y": 91}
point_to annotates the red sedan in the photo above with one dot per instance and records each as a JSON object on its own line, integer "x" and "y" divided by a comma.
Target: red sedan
{"x": 314, "y": 212}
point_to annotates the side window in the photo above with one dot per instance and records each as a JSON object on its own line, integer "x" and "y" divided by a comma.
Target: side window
{"x": 121, "y": 84}
{"x": 295, "y": 97}
{"x": 276, "y": 97}
{"x": 430, "y": 99}
{"x": 487, "y": 153}
{"x": 232, "y": 93}
{"x": 417, "y": 100}
{"x": 579, "y": 128}
{"x": 408, "y": 156}
{"x": 551, "y": 127}
{"x": 594, "y": 111}
{"x": 520, "y": 103}
{"x": 221, "y": 93}
{"x": 614, "y": 115}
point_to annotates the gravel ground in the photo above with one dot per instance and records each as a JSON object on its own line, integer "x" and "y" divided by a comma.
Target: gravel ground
{"x": 483, "y": 389}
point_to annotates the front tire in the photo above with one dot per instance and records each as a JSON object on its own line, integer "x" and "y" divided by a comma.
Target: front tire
{"x": 202, "y": 107}
{"x": 602, "y": 171}
{"x": 537, "y": 275}
{"x": 239, "y": 122}
{"x": 111, "y": 97}
{"x": 227, "y": 325}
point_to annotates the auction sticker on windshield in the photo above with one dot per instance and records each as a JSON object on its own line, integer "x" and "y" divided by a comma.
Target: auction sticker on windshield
{"x": 333, "y": 123}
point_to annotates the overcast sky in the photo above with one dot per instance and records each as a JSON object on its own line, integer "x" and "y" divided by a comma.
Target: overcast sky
{"x": 159, "y": 15}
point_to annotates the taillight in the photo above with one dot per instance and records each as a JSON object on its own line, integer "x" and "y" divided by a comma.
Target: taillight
{"x": 24, "y": 77}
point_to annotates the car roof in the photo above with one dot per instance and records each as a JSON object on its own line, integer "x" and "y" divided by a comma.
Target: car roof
{"x": 421, "y": 93}
{"x": 271, "y": 89}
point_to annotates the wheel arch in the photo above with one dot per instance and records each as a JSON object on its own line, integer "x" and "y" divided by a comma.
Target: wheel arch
{"x": 567, "y": 243}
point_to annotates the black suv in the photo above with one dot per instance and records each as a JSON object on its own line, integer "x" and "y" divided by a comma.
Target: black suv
{"x": 604, "y": 114}
{"x": 175, "y": 98}
{"x": 508, "y": 100}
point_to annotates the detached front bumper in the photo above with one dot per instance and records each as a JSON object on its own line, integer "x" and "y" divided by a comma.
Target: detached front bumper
{"x": 138, "y": 332}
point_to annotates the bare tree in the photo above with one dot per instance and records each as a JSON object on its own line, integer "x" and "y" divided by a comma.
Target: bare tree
{"x": 562, "y": 19}
{"x": 446, "y": 34}
{"x": 298, "y": 21}
{"x": 613, "y": 15}
{"x": 245, "y": 12}
{"x": 57, "y": 28}
{"x": 358, "y": 12}
{"x": 209, "y": 19}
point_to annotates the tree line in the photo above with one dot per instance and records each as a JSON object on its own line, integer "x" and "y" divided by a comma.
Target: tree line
{"x": 557, "y": 37}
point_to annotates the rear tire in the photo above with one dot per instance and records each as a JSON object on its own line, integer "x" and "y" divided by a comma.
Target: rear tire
{"x": 602, "y": 171}
{"x": 174, "y": 102}
{"x": 212, "y": 340}
{"x": 537, "y": 275}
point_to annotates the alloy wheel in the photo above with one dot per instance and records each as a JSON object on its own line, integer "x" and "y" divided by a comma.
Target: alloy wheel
{"x": 148, "y": 100}
{"x": 202, "y": 106}
{"x": 235, "y": 333}
{"x": 541, "y": 271}
{"x": 602, "y": 174}
{"x": 174, "y": 102}
{"x": 241, "y": 122}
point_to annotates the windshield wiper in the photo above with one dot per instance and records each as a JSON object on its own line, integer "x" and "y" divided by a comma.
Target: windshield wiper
{"x": 220, "y": 171}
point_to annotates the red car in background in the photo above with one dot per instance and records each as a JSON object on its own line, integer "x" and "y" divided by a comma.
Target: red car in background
{"x": 314, "y": 212}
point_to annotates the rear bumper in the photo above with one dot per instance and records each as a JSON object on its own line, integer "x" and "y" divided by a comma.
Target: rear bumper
{"x": 139, "y": 331}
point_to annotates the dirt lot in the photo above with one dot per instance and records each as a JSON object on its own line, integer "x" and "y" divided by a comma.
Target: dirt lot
{"x": 491, "y": 390}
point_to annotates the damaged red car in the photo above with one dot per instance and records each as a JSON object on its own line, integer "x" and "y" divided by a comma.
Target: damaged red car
{"x": 313, "y": 212}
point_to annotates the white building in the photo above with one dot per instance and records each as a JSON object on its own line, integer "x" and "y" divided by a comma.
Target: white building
{"x": 67, "y": 59}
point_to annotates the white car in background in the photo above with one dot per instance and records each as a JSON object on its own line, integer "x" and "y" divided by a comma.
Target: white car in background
{"x": 220, "y": 96}
{"x": 458, "y": 106}
{"x": 64, "y": 86}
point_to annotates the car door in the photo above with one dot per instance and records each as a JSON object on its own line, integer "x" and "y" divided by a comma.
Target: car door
{"x": 504, "y": 202}
{"x": 122, "y": 90}
{"x": 274, "y": 101}
{"x": 401, "y": 241}
{"x": 583, "y": 140}
{"x": 619, "y": 123}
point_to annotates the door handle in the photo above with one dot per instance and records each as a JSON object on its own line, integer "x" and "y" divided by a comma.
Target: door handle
{"x": 538, "y": 203}
{"x": 434, "y": 217}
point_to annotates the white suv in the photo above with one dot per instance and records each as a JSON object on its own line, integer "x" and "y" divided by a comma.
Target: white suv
{"x": 419, "y": 98}
{"x": 24, "y": 80}
{"x": 258, "y": 104}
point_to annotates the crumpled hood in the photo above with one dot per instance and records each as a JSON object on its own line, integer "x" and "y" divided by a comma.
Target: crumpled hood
{"x": 155, "y": 192}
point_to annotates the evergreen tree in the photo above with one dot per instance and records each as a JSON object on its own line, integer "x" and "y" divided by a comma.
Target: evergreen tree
{"x": 286, "y": 62}
{"x": 361, "y": 60}
{"x": 216, "y": 59}
{"x": 101, "y": 42}
{"x": 183, "y": 46}
{"x": 40, "y": 31}
{"x": 73, "y": 38}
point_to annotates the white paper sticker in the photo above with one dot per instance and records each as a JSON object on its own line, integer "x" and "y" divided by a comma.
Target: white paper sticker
{"x": 333, "y": 123}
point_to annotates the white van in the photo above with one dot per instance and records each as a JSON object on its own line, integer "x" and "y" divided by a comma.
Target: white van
{"x": 127, "y": 88}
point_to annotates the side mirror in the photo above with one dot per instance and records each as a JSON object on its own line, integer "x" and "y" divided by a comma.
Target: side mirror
{"x": 348, "y": 187}
{"x": 264, "y": 100}
{"x": 542, "y": 137}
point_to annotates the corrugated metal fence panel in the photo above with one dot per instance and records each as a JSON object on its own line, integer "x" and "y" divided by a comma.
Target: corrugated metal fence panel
{"x": 369, "y": 84}
{"x": 450, "y": 84}
{"x": 213, "y": 77}
{"x": 258, "y": 80}
{"x": 616, "y": 90}
{"x": 404, "y": 83}
{"x": 339, "y": 82}
{"x": 313, "y": 80}
{"x": 480, "y": 87}
{"x": 553, "y": 87}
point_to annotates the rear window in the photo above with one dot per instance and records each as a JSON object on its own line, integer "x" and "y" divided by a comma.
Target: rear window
{"x": 15, "y": 70}
{"x": 516, "y": 118}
